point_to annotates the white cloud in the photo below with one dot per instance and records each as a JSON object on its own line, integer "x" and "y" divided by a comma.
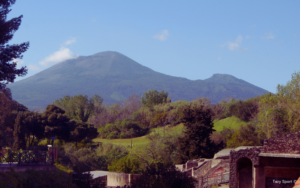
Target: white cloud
{"x": 162, "y": 36}
{"x": 58, "y": 56}
{"x": 269, "y": 36}
{"x": 247, "y": 37}
{"x": 33, "y": 67}
{"x": 70, "y": 41}
{"x": 219, "y": 58}
{"x": 235, "y": 45}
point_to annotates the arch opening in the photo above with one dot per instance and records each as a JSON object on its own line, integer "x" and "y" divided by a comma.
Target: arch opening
{"x": 244, "y": 172}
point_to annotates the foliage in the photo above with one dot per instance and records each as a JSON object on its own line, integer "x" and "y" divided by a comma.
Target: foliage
{"x": 111, "y": 152}
{"x": 124, "y": 129}
{"x": 229, "y": 122}
{"x": 244, "y": 136}
{"x": 19, "y": 133}
{"x": 80, "y": 160}
{"x": 128, "y": 164}
{"x": 119, "y": 111}
{"x": 36, "y": 179}
{"x": 196, "y": 142}
{"x": 163, "y": 176}
{"x": 79, "y": 107}
{"x": 82, "y": 131}
{"x": 160, "y": 150}
{"x": 9, "y": 53}
{"x": 273, "y": 118}
{"x": 153, "y": 97}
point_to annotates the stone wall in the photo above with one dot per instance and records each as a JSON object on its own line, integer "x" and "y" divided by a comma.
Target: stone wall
{"x": 285, "y": 143}
{"x": 7, "y": 168}
{"x": 120, "y": 179}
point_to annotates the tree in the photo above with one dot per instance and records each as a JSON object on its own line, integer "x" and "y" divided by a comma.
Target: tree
{"x": 163, "y": 176}
{"x": 160, "y": 150}
{"x": 160, "y": 120}
{"x": 79, "y": 107}
{"x": 6, "y": 104}
{"x": 196, "y": 142}
{"x": 9, "y": 53}
{"x": 19, "y": 132}
{"x": 153, "y": 97}
{"x": 56, "y": 123}
{"x": 244, "y": 136}
{"x": 82, "y": 131}
{"x": 289, "y": 98}
{"x": 128, "y": 164}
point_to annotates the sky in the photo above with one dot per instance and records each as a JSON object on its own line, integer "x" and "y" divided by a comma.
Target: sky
{"x": 256, "y": 41}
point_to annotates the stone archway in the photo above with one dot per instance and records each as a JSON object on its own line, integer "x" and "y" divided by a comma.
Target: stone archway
{"x": 245, "y": 173}
{"x": 239, "y": 163}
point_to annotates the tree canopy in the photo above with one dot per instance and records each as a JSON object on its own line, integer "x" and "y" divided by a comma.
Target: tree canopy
{"x": 9, "y": 53}
{"x": 79, "y": 107}
{"x": 153, "y": 97}
{"x": 196, "y": 142}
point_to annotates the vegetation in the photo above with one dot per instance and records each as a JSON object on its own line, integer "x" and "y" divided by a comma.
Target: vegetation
{"x": 229, "y": 122}
{"x": 196, "y": 142}
{"x": 163, "y": 133}
{"x": 153, "y": 97}
{"x": 163, "y": 176}
{"x": 79, "y": 107}
{"x": 9, "y": 53}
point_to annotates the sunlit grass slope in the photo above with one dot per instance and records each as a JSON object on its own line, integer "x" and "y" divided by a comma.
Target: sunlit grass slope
{"x": 232, "y": 122}
{"x": 143, "y": 140}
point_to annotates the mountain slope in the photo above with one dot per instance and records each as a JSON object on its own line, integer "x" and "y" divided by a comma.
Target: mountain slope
{"x": 114, "y": 77}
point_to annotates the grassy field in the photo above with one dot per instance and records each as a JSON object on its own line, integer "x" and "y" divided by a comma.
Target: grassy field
{"x": 141, "y": 141}
{"x": 137, "y": 142}
{"x": 232, "y": 122}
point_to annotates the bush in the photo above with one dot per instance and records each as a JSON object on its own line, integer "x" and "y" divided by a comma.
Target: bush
{"x": 80, "y": 160}
{"x": 127, "y": 164}
{"x": 122, "y": 129}
{"x": 244, "y": 136}
{"x": 163, "y": 176}
{"x": 36, "y": 179}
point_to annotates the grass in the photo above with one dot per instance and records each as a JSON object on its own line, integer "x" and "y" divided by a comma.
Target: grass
{"x": 232, "y": 122}
{"x": 143, "y": 140}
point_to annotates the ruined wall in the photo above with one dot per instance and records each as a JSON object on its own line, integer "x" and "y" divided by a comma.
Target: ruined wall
{"x": 235, "y": 156}
{"x": 285, "y": 143}
{"x": 120, "y": 179}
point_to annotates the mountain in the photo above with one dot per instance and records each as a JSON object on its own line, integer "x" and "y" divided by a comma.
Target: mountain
{"x": 114, "y": 77}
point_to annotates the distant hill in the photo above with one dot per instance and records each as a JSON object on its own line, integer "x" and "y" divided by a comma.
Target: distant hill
{"x": 114, "y": 77}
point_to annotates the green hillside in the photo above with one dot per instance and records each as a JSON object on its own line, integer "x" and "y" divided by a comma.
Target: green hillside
{"x": 141, "y": 141}
{"x": 232, "y": 122}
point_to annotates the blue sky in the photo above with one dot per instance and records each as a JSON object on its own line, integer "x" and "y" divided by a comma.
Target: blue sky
{"x": 257, "y": 41}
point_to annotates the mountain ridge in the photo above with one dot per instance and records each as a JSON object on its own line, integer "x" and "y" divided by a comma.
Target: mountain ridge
{"x": 115, "y": 76}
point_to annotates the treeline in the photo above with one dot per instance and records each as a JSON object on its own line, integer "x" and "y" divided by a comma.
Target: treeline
{"x": 78, "y": 118}
{"x": 23, "y": 129}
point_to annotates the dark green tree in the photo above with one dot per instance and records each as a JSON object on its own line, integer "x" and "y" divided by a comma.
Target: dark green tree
{"x": 35, "y": 127}
{"x": 82, "y": 131}
{"x": 163, "y": 176}
{"x": 80, "y": 107}
{"x": 19, "y": 132}
{"x": 198, "y": 127}
{"x": 153, "y": 97}
{"x": 8, "y": 53}
{"x": 57, "y": 124}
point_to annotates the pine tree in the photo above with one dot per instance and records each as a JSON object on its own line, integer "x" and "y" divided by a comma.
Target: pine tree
{"x": 8, "y": 53}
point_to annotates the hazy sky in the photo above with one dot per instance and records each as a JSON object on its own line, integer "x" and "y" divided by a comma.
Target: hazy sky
{"x": 257, "y": 41}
